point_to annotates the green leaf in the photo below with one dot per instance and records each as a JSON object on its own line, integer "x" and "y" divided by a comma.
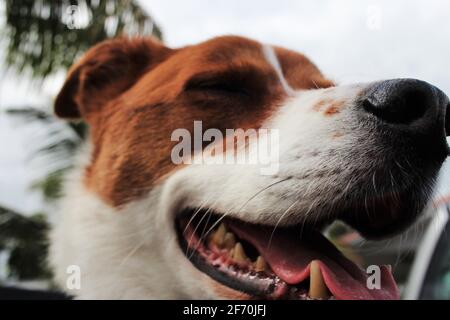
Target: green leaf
{"x": 41, "y": 39}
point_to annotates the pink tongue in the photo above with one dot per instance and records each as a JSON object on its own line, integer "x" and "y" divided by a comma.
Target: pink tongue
{"x": 289, "y": 255}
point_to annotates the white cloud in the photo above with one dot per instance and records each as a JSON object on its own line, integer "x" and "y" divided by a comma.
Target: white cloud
{"x": 411, "y": 42}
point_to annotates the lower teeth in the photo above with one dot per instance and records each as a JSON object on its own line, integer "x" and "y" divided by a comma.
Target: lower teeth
{"x": 224, "y": 239}
{"x": 260, "y": 264}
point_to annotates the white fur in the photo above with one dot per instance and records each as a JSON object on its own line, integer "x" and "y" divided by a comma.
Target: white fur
{"x": 271, "y": 57}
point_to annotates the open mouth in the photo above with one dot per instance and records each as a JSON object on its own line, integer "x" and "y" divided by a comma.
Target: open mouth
{"x": 294, "y": 262}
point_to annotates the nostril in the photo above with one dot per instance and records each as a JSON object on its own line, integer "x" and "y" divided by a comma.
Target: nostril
{"x": 400, "y": 104}
{"x": 413, "y": 104}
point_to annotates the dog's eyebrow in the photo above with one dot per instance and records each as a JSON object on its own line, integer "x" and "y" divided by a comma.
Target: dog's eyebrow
{"x": 272, "y": 59}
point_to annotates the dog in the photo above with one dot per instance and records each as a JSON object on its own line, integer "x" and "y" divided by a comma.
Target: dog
{"x": 138, "y": 225}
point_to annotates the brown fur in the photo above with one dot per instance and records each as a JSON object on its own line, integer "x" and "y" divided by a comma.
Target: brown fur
{"x": 334, "y": 108}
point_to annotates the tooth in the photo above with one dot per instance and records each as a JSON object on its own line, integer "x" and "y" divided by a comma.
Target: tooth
{"x": 317, "y": 287}
{"x": 229, "y": 240}
{"x": 219, "y": 235}
{"x": 260, "y": 264}
{"x": 239, "y": 254}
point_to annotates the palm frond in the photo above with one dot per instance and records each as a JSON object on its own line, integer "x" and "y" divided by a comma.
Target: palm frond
{"x": 24, "y": 240}
{"x": 41, "y": 38}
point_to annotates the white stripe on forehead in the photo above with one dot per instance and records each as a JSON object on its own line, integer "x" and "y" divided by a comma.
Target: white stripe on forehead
{"x": 271, "y": 57}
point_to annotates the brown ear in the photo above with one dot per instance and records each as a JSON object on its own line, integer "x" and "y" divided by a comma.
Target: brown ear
{"x": 104, "y": 72}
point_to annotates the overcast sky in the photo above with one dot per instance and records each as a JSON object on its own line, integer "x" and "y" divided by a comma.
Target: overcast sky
{"x": 351, "y": 41}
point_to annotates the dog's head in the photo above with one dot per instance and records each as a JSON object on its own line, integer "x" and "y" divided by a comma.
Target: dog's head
{"x": 221, "y": 224}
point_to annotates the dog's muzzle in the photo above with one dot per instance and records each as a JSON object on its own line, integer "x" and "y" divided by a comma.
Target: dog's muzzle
{"x": 409, "y": 120}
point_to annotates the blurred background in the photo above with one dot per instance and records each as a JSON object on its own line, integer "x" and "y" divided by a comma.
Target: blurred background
{"x": 350, "y": 41}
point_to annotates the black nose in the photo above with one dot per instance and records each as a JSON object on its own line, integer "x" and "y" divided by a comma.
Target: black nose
{"x": 415, "y": 106}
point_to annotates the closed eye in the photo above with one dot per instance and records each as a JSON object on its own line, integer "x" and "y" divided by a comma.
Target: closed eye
{"x": 223, "y": 87}
{"x": 229, "y": 85}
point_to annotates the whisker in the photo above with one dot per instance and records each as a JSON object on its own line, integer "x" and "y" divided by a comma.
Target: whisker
{"x": 130, "y": 254}
{"x": 203, "y": 236}
{"x": 193, "y": 233}
{"x": 193, "y": 217}
{"x": 279, "y": 220}
{"x": 251, "y": 198}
